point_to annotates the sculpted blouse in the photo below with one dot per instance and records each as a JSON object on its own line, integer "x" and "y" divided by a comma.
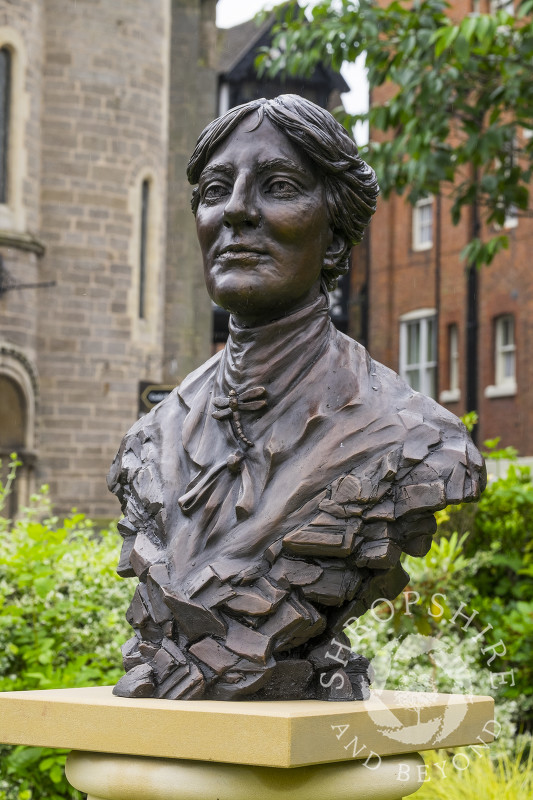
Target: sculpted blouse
{"x": 268, "y": 499}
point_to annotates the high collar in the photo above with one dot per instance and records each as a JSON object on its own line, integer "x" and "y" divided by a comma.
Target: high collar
{"x": 275, "y": 355}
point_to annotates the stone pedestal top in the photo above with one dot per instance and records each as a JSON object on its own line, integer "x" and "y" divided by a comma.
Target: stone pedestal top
{"x": 271, "y": 734}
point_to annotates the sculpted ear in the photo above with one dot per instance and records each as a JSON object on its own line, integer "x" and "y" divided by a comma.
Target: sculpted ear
{"x": 336, "y": 251}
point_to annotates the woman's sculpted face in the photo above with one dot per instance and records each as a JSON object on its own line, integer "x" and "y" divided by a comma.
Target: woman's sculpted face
{"x": 263, "y": 225}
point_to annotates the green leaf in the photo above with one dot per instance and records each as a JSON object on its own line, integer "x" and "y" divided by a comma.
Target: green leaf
{"x": 56, "y": 774}
{"x": 43, "y": 586}
{"x": 446, "y": 39}
{"x": 525, "y": 8}
{"x": 461, "y": 47}
{"x": 468, "y": 27}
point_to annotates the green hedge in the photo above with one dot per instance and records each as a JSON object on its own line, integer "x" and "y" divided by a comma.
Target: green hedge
{"x": 498, "y": 540}
{"x": 62, "y": 622}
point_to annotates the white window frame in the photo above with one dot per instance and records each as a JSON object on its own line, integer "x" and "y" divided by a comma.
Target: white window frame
{"x": 511, "y": 218}
{"x": 422, "y": 317}
{"x": 510, "y": 221}
{"x": 223, "y": 98}
{"x": 421, "y": 241}
{"x": 453, "y": 393}
{"x": 504, "y": 385}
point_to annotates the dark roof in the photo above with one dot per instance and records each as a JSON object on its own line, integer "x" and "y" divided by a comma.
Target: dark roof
{"x": 234, "y": 43}
{"x": 237, "y": 46}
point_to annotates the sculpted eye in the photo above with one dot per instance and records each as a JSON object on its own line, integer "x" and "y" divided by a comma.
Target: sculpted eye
{"x": 281, "y": 188}
{"x": 214, "y": 191}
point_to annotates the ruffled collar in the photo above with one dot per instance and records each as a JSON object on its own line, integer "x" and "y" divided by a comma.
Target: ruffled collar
{"x": 276, "y": 355}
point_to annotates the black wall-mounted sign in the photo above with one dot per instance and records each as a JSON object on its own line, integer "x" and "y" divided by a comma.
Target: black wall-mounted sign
{"x": 150, "y": 394}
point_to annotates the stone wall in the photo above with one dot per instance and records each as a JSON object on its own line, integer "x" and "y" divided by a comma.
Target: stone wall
{"x": 104, "y": 130}
{"x": 93, "y": 82}
{"x": 192, "y": 105}
{"x": 20, "y": 249}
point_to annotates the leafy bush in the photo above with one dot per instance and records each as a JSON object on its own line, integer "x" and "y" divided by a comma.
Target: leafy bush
{"x": 497, "y": 540}
{"x": 418, "y": 641}
{"x": 499, "y": 543}
{"x": 62, "y": 621}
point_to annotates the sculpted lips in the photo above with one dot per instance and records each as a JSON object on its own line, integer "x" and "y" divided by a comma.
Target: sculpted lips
{"x": 243, "y": 250}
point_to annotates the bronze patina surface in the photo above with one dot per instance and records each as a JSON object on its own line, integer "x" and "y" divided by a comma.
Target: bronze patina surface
{"x": 268, "y": 499}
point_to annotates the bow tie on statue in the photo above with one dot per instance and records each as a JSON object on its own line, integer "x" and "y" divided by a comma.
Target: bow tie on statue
{"x": 231, "y": 406}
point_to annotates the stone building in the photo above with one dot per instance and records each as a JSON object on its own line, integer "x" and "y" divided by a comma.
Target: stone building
{"x": 412, "y": 311}
{"x": 100, "y": 278}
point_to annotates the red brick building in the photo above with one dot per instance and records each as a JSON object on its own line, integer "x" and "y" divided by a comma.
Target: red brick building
{"x": 409, "y": 306}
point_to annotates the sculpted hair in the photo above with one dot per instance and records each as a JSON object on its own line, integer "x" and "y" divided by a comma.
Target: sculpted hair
{"x": 350, "y": 185}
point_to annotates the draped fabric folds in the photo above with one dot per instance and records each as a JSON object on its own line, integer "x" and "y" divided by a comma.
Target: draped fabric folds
{"x": 269, "y": 498}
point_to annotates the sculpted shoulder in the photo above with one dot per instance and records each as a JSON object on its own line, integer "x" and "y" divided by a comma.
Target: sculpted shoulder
{"x": 146, "y": 434}
{"x": 434, "y": 441}
{"x": 437, "y": 438}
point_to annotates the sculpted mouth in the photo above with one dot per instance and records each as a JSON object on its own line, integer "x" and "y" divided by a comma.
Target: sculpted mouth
{"x": 241, "y": 248}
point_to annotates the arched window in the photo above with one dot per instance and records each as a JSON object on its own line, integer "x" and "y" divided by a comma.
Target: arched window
{"x": 5, "y": 101}
{"x": 12, "y": 416}
{"x": 13, "y": 427}
{"x": 145, "y": 301}
{"x": 143, "y": 246}
{"x": 18, "y": 388}
{"x": 16, "y": 102}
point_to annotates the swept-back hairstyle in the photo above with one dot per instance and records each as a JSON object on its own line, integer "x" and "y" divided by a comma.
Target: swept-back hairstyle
{"x": 350, "y": 185}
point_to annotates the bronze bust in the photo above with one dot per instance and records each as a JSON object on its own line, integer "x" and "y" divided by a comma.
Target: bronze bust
{"x": 268, "y": 499}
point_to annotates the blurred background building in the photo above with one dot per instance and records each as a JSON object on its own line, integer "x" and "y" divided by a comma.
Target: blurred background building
{"x": 411, "y": 310}
{"x": 101, "y": 287}
{"x": 412, "y": 306}
{"x": 100, "y": 278}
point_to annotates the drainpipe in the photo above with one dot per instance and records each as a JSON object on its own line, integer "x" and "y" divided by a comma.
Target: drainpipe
{"x": 472, "y": 322}
{"x": 438, "y": 246}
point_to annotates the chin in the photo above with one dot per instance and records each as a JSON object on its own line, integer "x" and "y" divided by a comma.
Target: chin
{"x": 243, "y": 298}
{"x": 241, "y": 310}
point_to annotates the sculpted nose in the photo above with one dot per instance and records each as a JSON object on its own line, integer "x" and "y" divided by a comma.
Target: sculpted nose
{"x": 241, "y": 209}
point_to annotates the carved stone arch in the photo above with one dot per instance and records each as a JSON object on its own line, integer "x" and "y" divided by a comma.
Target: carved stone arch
{"x": 144, "y": 165}
{"x": 18, "y": 392}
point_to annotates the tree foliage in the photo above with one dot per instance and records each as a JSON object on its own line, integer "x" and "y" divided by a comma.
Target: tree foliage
{"x": 453, "y": 108}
